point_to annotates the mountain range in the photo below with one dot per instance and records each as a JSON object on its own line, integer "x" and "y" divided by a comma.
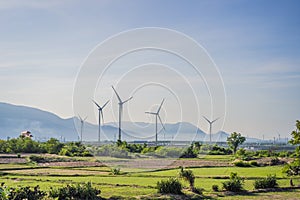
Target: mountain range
{"x": 43, "y": 125}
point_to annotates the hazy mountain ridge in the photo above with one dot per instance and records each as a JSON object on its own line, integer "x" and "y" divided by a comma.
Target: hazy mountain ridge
{"x": 43, "y": 124}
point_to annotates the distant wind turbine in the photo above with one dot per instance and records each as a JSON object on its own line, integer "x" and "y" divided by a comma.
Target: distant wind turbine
{"x": 157, "y": 116}
{"x": 120, "y": 110}
{"x": 210, "y": 126}
{"x": 100, "y": 114}
{"x": 81, "y": 127}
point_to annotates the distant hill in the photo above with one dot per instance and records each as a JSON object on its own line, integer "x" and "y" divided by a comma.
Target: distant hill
{"x": 43, "y": 125}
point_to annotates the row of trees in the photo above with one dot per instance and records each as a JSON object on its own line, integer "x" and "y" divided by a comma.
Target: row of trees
{"x": 52, "y": 146}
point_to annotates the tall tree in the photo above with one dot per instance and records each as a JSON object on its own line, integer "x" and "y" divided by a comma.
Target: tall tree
{"x": 293, "y": 169}
{"x": 234, "y": 140}
{"x": 296, "y": 134}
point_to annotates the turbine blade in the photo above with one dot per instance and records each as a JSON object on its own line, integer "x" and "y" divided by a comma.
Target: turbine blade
{"x": 161, "y": 122}
{"x": 96, "y": 103}
{"x": 152, "y": 113}
{"x": 85, "y": 118}
{"x": 206, "y": 119}
{"x": 127, "y": 100}
{"x": 215, "y": 120}
{"x": 80, "y": 118}
{"x": 120, "y": 100}
{"x": 160, "y": 106}
{"x": 102, "y": 116}
{"x": 105, "y": 104}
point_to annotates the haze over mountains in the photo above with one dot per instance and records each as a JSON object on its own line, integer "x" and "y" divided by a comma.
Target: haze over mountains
{"x": 43, "y": 125}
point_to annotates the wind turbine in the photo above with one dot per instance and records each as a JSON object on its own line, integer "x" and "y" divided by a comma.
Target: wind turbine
{"x": 81, "y": 127}
{"x": 157, "y": 116}
{"x": 120, "y": 110}
{"x": 100, "y": 114}
{"x": 210, "y": 126}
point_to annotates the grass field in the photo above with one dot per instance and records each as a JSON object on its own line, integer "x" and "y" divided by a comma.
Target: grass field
{"x": 137, "y": 184}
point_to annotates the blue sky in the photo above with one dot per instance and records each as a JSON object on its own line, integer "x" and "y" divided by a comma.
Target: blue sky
{"x": 255, "y": 44}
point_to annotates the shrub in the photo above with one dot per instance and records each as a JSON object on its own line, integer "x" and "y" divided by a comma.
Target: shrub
{"x": 169, "y": 152}
{"x": 215, "y": 188}
{"x": 115, "y": 171}
{"x": 111, "y": 151}
{"x": 235, "y": 184}
{"x": 76, "y": 192}
{"x": 169, "y": 186}
{"x": 21, "y": 193}
{"x": 268, "y": 182}
{"x": 241, "y": 163}
{"x": 254, "y": 163}
{"x": 276, "y": 161}
{"x": 38, "y": 159}
{"x": 218, "y": 150}
{"x": 286, "y": 154}
{"x": 46, "y": 159}
{"x": 190, "y": 152}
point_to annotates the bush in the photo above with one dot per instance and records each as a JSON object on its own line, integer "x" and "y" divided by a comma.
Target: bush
{"x": 76, "y": 192}
{"x": 276, "y": 161}
{"x": 21, "y": 193}
{"x": 169, "y": 152}
{"x": 115, "y": 171}
{"x": 254, "y": 163}
{"x": 235, "y": 184}
{"x": 46, "y": 159}
{"x": 241, "y": 163}
{"x": 217, "y": 150}
{"x": 268, "y": 182}
{"x": 265, "y": 153}
{"x": 111, "y": 151}
{"x": 190, "y": 152}
{"x": 286, "y": 154}
{"x": 169, "y": 186}
{"x": 215, "y": 188}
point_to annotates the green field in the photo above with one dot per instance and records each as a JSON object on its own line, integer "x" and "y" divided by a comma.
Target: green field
{"x": 137, "y": 184}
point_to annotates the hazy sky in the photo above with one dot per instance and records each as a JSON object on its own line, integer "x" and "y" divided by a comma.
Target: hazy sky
{"x": 255, "y": 45}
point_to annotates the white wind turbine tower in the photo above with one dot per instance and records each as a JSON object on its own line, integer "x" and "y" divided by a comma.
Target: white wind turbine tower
{"x": 120, "y": 110}
{"x": 100, "y": 114}
{"x": 210, "y": 126}
{"x": 81, "y": 127}
{"x": 157, "y": 116}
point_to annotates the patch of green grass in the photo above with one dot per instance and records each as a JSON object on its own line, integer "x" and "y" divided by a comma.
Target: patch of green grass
{"x": 264, "y": 196}
{"x": 217, "y": 157}
{"x": 125, "y": 191}
{"x": 138, "y": 184}
{"x": 220, "y": 172}
{"x": 16, "y": 166}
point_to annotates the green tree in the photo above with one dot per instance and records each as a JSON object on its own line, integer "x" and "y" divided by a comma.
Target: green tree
{"x": 293, "y": 169}
{"x": 296, "y": 136}
{"x": 188, "y": 176}
{"x": 53, "y": 146}
{"x": 234, "y": 140}
{"x": 3, "y": 146}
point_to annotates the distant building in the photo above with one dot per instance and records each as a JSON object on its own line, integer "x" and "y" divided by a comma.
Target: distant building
{"x": 26, "y": 134}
